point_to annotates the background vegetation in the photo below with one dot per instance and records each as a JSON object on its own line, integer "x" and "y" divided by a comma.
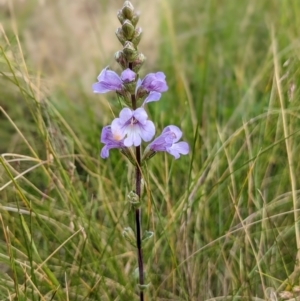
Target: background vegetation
{"x": 226, "y": 217}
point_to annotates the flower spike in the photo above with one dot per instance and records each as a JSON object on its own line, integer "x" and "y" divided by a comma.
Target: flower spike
{"x": 132, "y": 127}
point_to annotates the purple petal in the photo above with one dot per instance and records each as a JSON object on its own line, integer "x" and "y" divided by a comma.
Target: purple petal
{"x": 108, "y": 139}
{"x": 148, "y": 131}
{"x": 178, "y": 148}
{"x": 146, "y": 82}
{"x": 176, "y": 132}
{"x": 107, "y": 81}
{"x": 104, "y": 152}
{"x": 162, "y": 142}
{"x": 125, "y": 114}
{"x": 165, "y": 140}
{"x": 117, "y": 128}
{"x": 133, "y": 138}
{"x": 160, "y": 75}
{"x": 140, "y": 115}
{"x": 159, "y": 86}
{"x": 182, "y": 147}
{"x": 99, "y": 88}
{"x": 155, "y": 82}
{"x": 128, "y": 76}
{"x": 128, "y": 141}
{"x": 153, "y": 96}
{"x": 110, "y": 77}
{"x": 105, "y": 134}
{"x": 101, "y": 76}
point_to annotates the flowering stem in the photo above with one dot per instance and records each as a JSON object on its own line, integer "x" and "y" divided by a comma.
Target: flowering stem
{"x": 132, "y": 126}
{"x": 138, "y": 211}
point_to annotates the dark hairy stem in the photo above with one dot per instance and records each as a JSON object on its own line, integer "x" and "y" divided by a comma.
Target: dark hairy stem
{"x": 138, "y": 212}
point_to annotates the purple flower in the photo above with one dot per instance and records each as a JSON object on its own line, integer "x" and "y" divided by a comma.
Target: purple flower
{"x": 152, "y": 85}
{"x": 168, "y": 142}
{"x": 110, "y": 142}
{"x": 134, "y": 126}
{"x": 109, "y": 80}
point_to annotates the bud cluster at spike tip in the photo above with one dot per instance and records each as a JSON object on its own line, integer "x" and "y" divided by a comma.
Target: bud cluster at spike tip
{"x": 132, "y": 126}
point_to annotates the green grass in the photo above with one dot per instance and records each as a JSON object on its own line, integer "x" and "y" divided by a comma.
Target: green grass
{"x": 225, "y": 218}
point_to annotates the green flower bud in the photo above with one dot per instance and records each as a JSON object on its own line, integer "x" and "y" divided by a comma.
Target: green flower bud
{"x": 137, "y": 36}
{"x": 121, "y": 59}
{"x": 128, "y": 29}
{"x": 130, "y": 52}
{"x": 133, "y": 198}
{"x": 129, "y": 235}
{"x": 138, "y": 62}
{"x": 128, "y": 10}
{"x": 120, "y": 16}
{"x": 120, "y": 35}
{"x": 135, "y": 18}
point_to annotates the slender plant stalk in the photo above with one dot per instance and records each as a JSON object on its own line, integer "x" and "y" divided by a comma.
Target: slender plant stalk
{"x": 138, "y": 211}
